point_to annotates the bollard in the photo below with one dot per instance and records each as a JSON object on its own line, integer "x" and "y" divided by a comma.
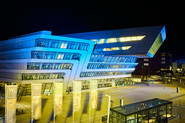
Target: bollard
{"x": 121, "y": 102}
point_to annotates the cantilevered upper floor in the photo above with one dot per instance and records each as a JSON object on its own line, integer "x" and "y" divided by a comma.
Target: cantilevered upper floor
{"x": 141, "y": 42}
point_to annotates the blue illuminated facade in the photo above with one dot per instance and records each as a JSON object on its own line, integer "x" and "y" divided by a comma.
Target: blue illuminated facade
{"x": 108, "y": 56}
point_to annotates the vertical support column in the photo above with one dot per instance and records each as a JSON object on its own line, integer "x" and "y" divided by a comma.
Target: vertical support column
{"x": 36, "y": 101}
{"x": 58, "y": 99}
{"x": 77, "y": 85}
{"x": 93, "y": 93}
{"x": 108, "y": 112}
{"x": 93, "y": 96}
{"x": 10, "y": 103}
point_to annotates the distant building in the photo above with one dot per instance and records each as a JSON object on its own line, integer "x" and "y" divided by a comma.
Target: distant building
{"x": 179, "y": 66}
{"x": 160, "y": 63}
{"x": 166, "y": 62}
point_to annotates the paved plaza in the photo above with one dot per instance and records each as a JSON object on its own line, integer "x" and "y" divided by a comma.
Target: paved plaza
{"x": 129, "y": 93}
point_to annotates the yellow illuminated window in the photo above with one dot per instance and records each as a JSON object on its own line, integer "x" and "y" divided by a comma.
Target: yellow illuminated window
{"x": 134, "y": 38}
{"x": 111, "y": 40}
{"x": 106, "y": 49}
{"x": 101, "y": 41}
{"x": 60, "y": 56}
{"x": 128, "y": 39}
{"x": 63, "y": 45}
{"x": 115, "y": 48}
{"x": 131, "y": 38}
{"x": 140, "y": 37}
{"x": 93, "y": 39}
{"x": 125, "y": 47}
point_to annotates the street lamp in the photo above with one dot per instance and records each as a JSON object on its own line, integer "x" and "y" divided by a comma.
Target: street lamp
{"x": 108, "y": 113}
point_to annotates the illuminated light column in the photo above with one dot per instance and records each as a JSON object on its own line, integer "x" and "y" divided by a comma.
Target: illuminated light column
{"x": 108, "y": 112}
{"x": 36, "y": 101}
{"x": 93, "y": 96}
{"x": 113, "y": 83}
{"x": 58, "y": 99}
{"x": 77, "y": 85}
{"x": 10, "y": 103}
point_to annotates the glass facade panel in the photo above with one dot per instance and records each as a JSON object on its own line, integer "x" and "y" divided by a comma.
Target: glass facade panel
{"x": 131, "y": 38}
{"x": 102, "y": 58}
{"x": 125, "y": 47}
{"x": 54, "y": 55}
{"x": 111, "y": 40}
{"x": 94, "y": 74}
{"x": 117, "y": 48}
{"x": 37, "y": 76}
{"x": 120, "y": 39}
{"x": 110, "y": 66}
{"x": 101, "y": 41}
{"x": 51, "y": 43}
{"x": 54, "y": 44}
{"x": 42, "y": 43}
{"x": 48, "y": 66}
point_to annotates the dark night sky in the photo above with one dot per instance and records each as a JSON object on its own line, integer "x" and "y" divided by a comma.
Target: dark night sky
{"x": 21, "y": 17}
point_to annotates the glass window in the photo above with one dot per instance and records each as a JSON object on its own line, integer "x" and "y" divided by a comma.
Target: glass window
{"x": 63, "y": 45}
{"x": 146, "y": 59}
{"x": 62, "y": 66}
{"x": 81, "y": 47}
{"x": 41, "y": 42}
{"x": 60, "y": 56}
{"x": 70, "y": 66}
{"x": 35, "y": 76}
{"x": 72, "y": 46}
{"x": 140, "y": 37}
{"x": 101, "y": 41}
{"x": 125, "y": 47}
{"x": 86, "y": 47}
{"x": 115, "y": 48}
{"x": 107, "y": 49}
{"x": 131, "y": 38}
{"x": 55, "y": 44}
{"x": 56, "y": 66}
{"x": 76, "y": 57}
{"x": 67, "y": 56}
{"x": 146, "y": 64}
{"x": 111, "y": 40}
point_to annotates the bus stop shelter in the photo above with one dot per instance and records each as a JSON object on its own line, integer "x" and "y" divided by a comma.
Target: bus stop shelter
{"x": 148, "y": 111}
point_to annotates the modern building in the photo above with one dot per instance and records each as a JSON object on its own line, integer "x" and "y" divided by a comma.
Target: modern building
{"x": 109, "y": 56}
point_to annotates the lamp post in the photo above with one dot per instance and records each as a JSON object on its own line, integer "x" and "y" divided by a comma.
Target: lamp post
{"x": 108, "y": 113}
